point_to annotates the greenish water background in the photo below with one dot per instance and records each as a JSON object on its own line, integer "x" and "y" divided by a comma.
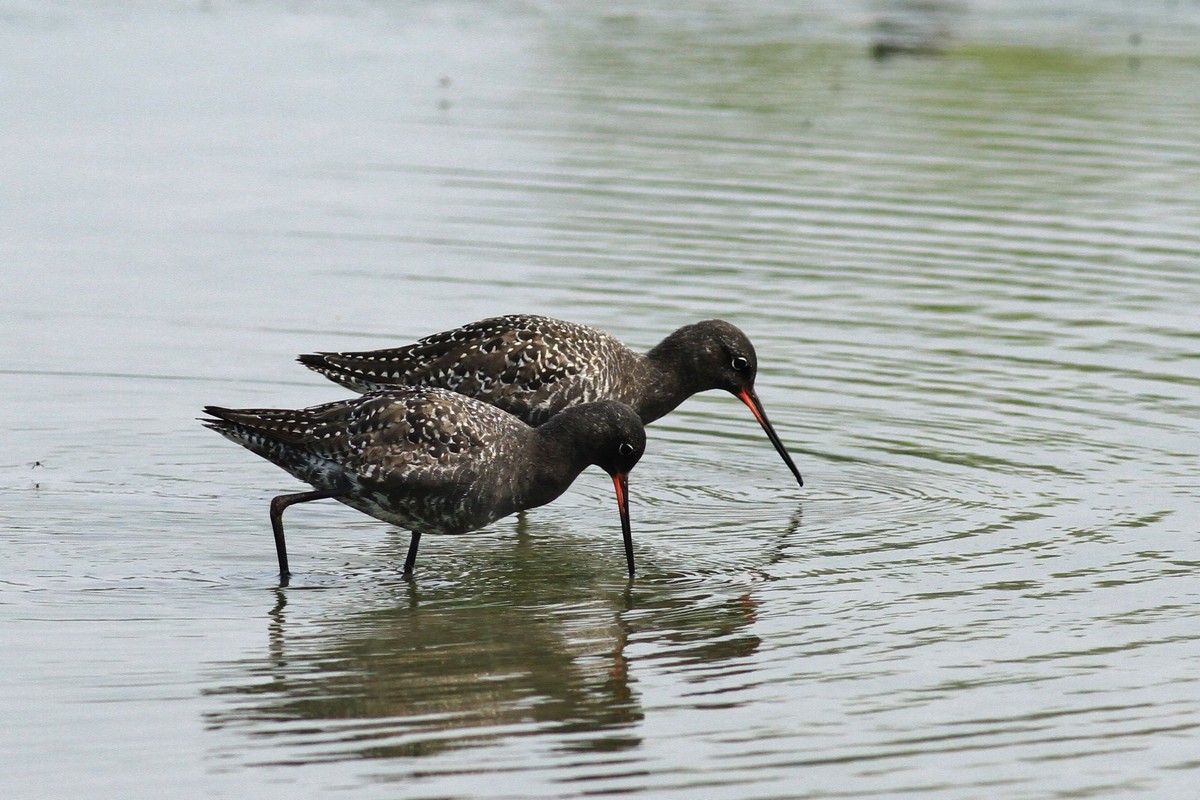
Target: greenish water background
{"x": 970, "y": 270}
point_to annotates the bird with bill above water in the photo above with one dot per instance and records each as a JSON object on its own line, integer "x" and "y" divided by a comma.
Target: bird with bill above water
{"x": 534, "y": 367}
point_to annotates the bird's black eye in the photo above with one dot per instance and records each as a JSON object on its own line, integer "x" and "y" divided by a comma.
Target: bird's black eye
{"x": 740, "y": 363}
{"x": 625, "y": 449}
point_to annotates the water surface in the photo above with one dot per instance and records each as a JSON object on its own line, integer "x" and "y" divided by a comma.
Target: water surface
{"x": 968, "y": 265}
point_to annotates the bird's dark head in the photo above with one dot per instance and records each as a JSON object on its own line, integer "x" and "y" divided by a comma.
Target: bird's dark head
{"x": 712, "y": 354}
{"x": 614, "y": 433}
{"x": 608, "y": 434}
{"x": 716, "y": 355}
{"x": 618, "y": 440}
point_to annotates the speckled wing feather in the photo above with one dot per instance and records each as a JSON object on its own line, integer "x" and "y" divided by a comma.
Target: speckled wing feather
{"x": 528, "y": 365}
{"x": 407, "y": 455}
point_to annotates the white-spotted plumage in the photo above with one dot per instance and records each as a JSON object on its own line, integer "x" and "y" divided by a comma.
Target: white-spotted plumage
{"x": 528, "y": 365}
{"x": 534, "y": 367}
{"x": 431, "y": 460}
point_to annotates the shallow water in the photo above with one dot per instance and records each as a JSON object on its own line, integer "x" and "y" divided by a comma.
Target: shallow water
{"x": 971, "y": 276}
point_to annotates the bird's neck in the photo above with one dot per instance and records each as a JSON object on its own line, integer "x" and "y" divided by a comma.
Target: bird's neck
{"x": 667, "y": 380}
{"x": 554, "y": 463}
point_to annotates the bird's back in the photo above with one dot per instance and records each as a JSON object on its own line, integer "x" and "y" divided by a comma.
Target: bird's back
{"x": 416, "y": 457}
{"x": 530, "y": 366}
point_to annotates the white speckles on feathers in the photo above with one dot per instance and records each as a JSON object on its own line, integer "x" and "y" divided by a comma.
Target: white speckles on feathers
{"x": 528, "y": 365}
{"x": 420, "y": 458}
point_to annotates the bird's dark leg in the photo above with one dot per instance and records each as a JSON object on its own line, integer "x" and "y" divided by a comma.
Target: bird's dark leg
{"x": 278, "y": 504}
{"x": 412, "y": 554}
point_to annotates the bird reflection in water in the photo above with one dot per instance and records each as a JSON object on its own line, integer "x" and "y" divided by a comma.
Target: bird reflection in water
{"x": 531, "y": 645}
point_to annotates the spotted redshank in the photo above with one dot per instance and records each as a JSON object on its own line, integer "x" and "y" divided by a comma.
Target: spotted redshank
{"x": 534, "y": 367}
{"x": 435, "y": 461}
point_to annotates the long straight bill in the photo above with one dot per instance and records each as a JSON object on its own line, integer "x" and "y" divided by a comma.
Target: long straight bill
{"x": 621, "y": 484}
{"x": 748, "y": 397}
